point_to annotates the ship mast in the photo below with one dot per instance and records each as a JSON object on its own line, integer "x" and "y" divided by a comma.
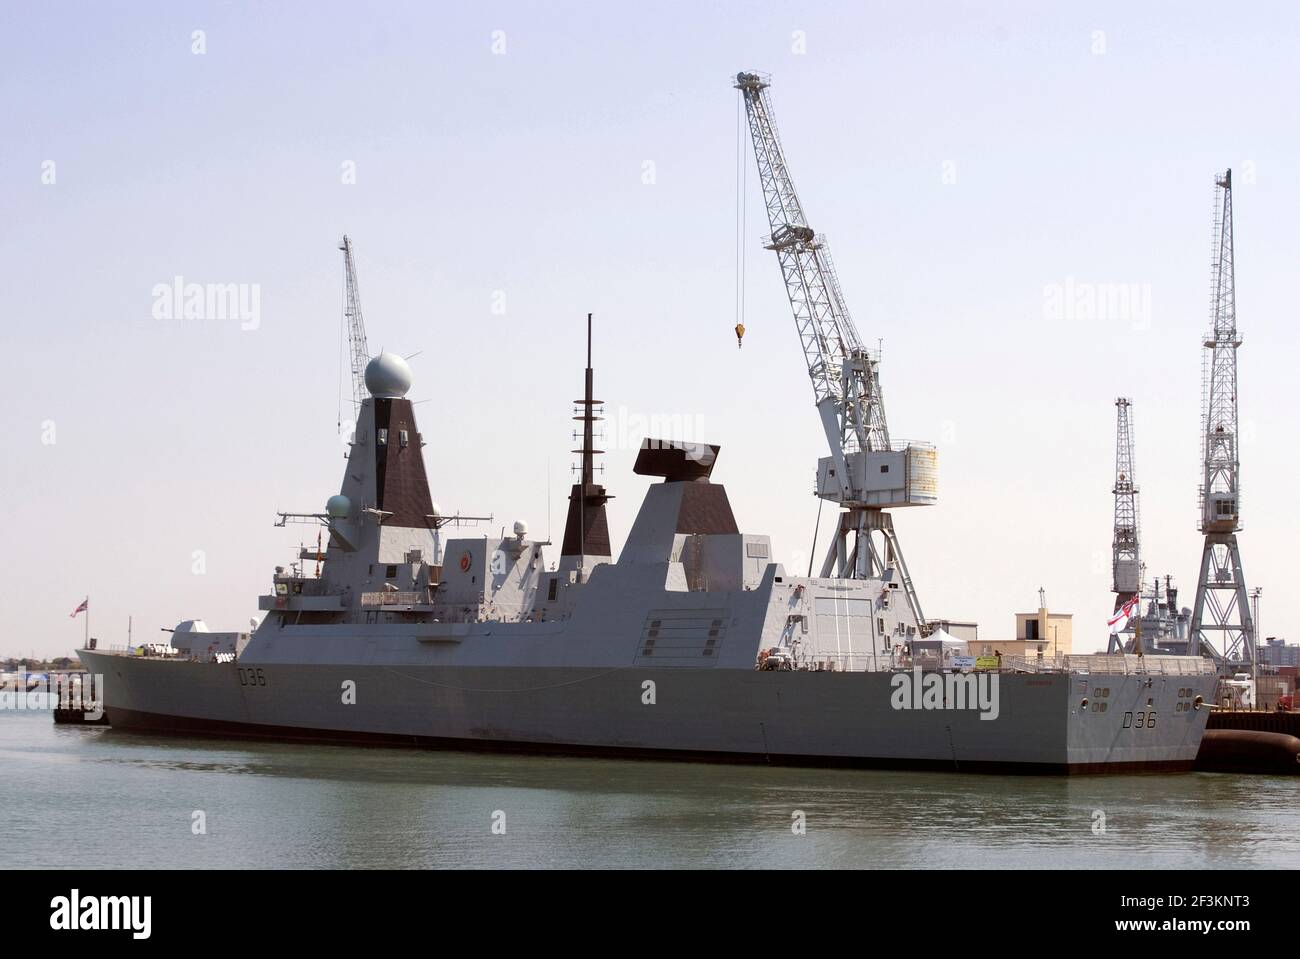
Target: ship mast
{"x": 588, "y": 419}
{"x": 586, "y": 529}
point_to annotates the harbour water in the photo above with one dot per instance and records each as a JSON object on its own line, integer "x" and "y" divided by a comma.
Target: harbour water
{"x": 102, "y": 798}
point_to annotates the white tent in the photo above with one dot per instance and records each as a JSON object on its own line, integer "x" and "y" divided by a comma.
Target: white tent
{"x": 941, "y": 644}
{"x": 947, "y": 638}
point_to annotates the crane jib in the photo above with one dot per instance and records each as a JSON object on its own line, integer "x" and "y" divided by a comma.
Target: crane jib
{"x": 865, "y": 473}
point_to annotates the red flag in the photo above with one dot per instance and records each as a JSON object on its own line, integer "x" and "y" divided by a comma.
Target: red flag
{"x": 84, "y": 607}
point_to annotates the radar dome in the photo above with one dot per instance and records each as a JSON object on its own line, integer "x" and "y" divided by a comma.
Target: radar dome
{"x": 521, "y": 529}
{"x": 338, "y": 506}
{"x": 388, "y": 377}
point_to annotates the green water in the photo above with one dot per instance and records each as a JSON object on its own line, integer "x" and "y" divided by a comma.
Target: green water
{"x": 96, "y": 797}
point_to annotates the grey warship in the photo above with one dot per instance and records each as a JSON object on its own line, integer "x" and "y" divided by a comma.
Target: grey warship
{"x": 691, "y": 644}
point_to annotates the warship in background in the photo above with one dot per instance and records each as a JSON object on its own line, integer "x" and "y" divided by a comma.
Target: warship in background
{"x": 1146, "y": 621}
{"x": 1164, "y": 628}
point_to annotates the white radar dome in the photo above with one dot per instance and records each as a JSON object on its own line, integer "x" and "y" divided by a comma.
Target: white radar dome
{"x": 388, "y": 377}
{"x": 521, "y": 529}
{"x": 338, "y": 506}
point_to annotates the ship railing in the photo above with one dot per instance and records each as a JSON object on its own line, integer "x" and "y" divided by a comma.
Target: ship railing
{"x": 1110, "y": 664}
{"x": 301, "y": 586}
{"x": 213, "y": 656}
{"x": 1098, "y": 663}
{"x": 150, "y": 650}
{"x": 832, "y": 662}
{"x": 393, "y": 598}
{"x": 184, "y": 655}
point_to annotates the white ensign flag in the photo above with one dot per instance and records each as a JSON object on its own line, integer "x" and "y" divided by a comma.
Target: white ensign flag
{"x": 1121, "y": 618}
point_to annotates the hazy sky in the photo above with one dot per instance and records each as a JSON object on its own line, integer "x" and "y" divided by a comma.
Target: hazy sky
{"x": 518, "y": 165}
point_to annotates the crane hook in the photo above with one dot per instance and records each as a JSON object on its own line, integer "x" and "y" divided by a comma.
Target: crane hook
{"x": 740, "y": 335}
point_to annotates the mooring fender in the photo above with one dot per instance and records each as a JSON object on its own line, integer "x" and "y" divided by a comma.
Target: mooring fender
{"x": 1250, "y": 751}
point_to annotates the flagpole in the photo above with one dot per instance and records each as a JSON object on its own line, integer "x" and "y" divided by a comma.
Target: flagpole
{"x": 87, "y": 640}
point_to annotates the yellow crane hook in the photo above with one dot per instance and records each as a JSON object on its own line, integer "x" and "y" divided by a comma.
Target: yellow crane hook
{"x": 740, "y": 335}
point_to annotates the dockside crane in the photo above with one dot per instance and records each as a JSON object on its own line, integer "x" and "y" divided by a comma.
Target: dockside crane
{"x": 865, "y": 473}
{"x": 356, "y": 327}
{"x": 1126, "y": 564}
{"x": 1221, "y": 618}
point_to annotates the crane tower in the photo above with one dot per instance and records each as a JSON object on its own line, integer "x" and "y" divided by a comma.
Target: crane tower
{"x": 1221, "y": 619}
{"x": 1126, "y": 564}
{"x": 865, "y": 472}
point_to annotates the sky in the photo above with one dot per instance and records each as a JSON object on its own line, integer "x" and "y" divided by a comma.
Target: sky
{"x": 986, "y": 175}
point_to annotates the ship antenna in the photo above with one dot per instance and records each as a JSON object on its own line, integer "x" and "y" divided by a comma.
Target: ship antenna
{"x": 586, "y": 515}
{"x": 586, "y": 451}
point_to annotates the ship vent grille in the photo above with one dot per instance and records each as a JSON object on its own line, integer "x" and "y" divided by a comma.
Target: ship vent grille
{"x": 681, "y": 637}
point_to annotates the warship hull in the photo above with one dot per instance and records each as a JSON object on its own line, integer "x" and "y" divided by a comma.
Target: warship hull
{"x": 1042, "y": 723}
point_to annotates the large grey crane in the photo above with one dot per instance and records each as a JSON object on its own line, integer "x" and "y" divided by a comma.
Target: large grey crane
{"x": 865, "y": 473}
{"x": 1126, "y": 563}
{"x": 1221, "y": 620}
{"x": 357, "y": 349}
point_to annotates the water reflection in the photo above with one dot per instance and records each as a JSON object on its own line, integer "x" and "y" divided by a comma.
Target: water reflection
{"x": 129, "y": 799}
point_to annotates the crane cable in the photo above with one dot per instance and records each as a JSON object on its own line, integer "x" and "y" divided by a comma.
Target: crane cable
{"x": 343, "y": 322}
{"x": 817, "y": 526}
{"x": 740, "y": 219}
